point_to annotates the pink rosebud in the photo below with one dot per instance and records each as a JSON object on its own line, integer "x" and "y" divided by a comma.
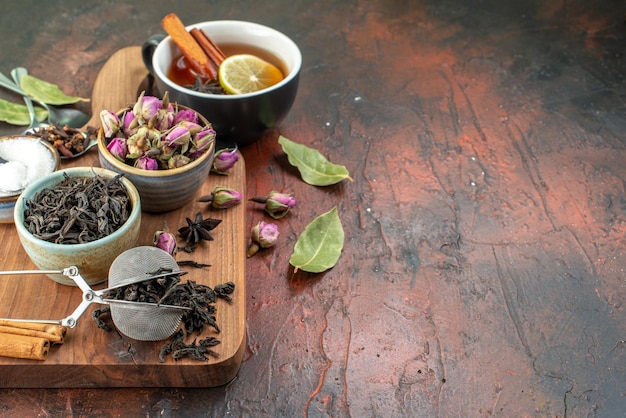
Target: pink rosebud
{"x": 186, "y": 115}
{"x": 263, "y": 235}
{"x": 130, "y": 124}
{"x": 223, "y": 198}
{"x": 117, "y": 148}
{"x": 139, "y": 143}
{"x": 278, "y": 204}
{"x": 177, "y": 136}
{"x": 110, "y": 123}
{"x": 165, "y": 241}
{"x": 147, "y": 163}
{"x": 146, "y": 107}
{"x": 201, "y": 142}
{"x": 192, "y": 127}
{"x": 224, "y": 160}
{"x": 163, "y": 120}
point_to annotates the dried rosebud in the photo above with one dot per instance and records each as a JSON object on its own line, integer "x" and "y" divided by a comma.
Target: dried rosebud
{"x": 187, "y": 115}
{"x": 110, "y": 123}
{"x": 131, "y": 124}
{"x": 192, "y": 127}
{"x": 277, "y": 204}
{"x": 165, "y": 241}
{"x": 138, "y": 143}
{"x": 146, "y": 163}
{"x": 201, "y": 142}
{"x": 224, "y": 160}
{"x": 263, "y": 235}
{"x": 163, "y": 120}
{"x": 224, "y": 198}
{"x": 146, "y": 107}
{"x": 117, "y": 148}
{"x": 178, "y": 136}
{"x": 178, "y": 160}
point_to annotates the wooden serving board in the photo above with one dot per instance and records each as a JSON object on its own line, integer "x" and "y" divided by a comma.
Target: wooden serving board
{"x": 91, "y": 357}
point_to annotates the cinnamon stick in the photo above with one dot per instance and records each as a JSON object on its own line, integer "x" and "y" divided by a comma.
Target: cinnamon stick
{"x": 214, "y": 53}
{"x": 53, "y": 337}
{"x": 193, "y": 53}
{"x": 37, "y": 326}
{"x": 25, "y": 347}
{"x": 216, "y": 48}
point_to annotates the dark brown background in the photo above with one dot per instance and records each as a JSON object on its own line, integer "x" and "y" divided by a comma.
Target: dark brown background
{"x": 483, "y": 269}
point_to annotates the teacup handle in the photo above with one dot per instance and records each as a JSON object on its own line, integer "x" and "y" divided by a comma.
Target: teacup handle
{"x": 147, "y": 50}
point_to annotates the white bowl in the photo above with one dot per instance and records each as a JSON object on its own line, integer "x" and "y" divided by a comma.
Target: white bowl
{"x": 32, "y": 153}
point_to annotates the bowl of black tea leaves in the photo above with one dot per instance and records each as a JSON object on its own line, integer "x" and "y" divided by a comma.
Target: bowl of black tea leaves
{"x": 81, "y": 216}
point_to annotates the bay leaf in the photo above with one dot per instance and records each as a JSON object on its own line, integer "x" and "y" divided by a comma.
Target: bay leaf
{"x": 16, "y": 114}
{"x": 45, "y": 92}
{"x": 314, "y": 168}
{"x": 319, "y": 246}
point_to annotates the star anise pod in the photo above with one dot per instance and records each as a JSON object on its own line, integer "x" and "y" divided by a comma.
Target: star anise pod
{"x": 198, "y": 229}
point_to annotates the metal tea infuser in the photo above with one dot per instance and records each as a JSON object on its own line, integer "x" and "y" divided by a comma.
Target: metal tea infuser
{"x": 142, "y": 321}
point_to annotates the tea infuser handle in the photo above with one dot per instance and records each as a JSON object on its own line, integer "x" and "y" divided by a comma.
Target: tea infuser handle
{"x": 11, "y": 272}
{"x": 73, "y": 274}
{"x": 70, "y": 272}
{"x": 89, "y": 297}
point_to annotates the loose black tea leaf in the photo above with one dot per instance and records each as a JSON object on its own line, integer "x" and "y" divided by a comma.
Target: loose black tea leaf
{"x": 176, "y": 340}
{"x": 224, "y": 290}
{"x": 97, "y": 317}
{"x": 188, "y": 248}
{"x": 196, "y": 351}
{"x": 78, "y": 210}
{"x": 191, "y": 263}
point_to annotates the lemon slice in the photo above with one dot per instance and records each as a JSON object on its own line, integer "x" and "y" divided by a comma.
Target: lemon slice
{"x": 245, "y": 73}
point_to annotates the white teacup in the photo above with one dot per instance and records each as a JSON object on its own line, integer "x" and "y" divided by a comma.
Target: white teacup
{"x": 240, "y": 118}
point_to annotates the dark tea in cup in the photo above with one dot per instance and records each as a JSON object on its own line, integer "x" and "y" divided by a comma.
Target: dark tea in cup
{"x": 181, "y": 73}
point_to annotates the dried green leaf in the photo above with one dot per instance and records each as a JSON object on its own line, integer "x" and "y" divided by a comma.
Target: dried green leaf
{"x": 16, "y": 114}
{"x": 45, "y": 92}
{"x": 314, "y": 168}
{"x": 319, "y": 246}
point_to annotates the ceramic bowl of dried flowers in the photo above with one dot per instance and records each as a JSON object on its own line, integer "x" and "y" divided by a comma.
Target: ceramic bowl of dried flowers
{"x": 99, "y": 219}
{"x": 27, "y": 160}
{"x": 166, "y": 150}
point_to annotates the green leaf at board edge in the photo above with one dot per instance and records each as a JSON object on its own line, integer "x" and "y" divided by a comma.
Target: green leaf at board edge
{"x": 45, "y": 92}
{"x": 319, "y": 246}
{"x": 314, "y": 168}
{"x": 16, "y": 114}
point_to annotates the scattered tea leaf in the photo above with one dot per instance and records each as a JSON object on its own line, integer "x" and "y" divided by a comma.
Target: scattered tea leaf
{"x": 16, "y": 114}
{"x": 319, "y": 246}
{"x": 314, "y": 168}
{"x": 45, "y": 92}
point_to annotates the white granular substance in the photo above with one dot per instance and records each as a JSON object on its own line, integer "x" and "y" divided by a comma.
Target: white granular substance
{"x": 28, "y": 160}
